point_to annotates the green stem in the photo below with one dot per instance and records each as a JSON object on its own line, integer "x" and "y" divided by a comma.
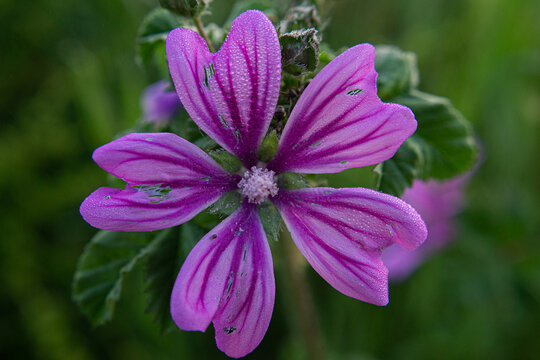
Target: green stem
{"x": 198, "y": 23}
{"x": 303, "y": 302}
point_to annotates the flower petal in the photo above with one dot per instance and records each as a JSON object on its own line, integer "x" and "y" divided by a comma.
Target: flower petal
{"x": 341, "y": 233}
{"x": 159, "y": 103}
{"x": 152, "y": 158}
{"x": 228, "y": 279}
{"x": 339, "y": 122}
{"x": 232, "y": 94}
{"x": 437, "y": 203}
{"x": 169, "y": 180}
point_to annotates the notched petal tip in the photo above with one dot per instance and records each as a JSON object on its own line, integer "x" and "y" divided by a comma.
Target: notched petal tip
{"x": 183, "y": 37}
{"x": 339, "y": 122}
{"x": 231, "y": 94}
{"x": 228, "y": 279}
{"x": 341, "y": 232}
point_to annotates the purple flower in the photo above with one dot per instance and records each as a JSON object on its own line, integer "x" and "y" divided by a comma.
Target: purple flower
{"x": 437, "y": 203}
{"x": 158, "y": 103}
{"x": 338, "y": 123}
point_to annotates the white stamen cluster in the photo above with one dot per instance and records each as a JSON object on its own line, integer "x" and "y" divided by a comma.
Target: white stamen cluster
{"x": 257, "y": 184}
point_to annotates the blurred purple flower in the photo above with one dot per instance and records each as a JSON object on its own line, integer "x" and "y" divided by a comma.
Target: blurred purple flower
{"x": 437, "y": 203}
{"x": 159, "y": 104}
{"x": 338, "y": 123}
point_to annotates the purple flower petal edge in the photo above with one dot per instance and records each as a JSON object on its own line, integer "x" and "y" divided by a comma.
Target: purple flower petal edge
{"x": 228, "y": 279}
{"x": 437, "y": 203}
{"x": 341, "y": 233}
{"x": 232, "y": 94}
{"x": 169, "y": 180}
{"x": 339, "y": 122}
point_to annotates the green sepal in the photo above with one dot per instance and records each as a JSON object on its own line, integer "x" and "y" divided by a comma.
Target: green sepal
{"x": 227, "y": 160}
{"x": 227, "y": 204}
{"x": 291, "y": 181}
{"x": 188, "y": 8}
{"x": 299, "y": 51}
{"x": 271, "y": 220}
{"x": 300, "y": 17}
{"x": 206, "y": 143}
{"x": 398, "y": 71}
{"x": 269, "y": 146}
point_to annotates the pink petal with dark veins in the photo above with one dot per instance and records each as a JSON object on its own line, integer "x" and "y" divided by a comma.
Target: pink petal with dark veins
{"x": 341, "y": 233}
{"x": 228, "y": 279}
{"x": 169, "y": 181}
{"x": 339, "y": 122}
{"x": 231, "y": 94}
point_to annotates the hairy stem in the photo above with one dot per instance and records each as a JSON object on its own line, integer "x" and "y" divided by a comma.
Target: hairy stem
{"x": 198, "y": 23}
{"x": 304, "y": 308}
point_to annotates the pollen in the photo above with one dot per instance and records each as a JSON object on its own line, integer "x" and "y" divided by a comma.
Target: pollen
{"x": 257, "y": 184}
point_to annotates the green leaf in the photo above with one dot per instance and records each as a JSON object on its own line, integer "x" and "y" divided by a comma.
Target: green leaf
{"x": 269, "y": 146}
{"x": 442, "y": 147}
{"x": 105, "y": 261}
{"x": 152, "y": 34}
{"x": 271, "y": 220}
{"x": 445, "y": 137}
{"x": 398, "y": 71}
{"x": 398, "y": 173}
{"x": 165, "y": 256}
{"x": 161, "y": 268}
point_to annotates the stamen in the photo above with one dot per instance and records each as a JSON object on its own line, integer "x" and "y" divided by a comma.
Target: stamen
{"x": 257, "y": 184}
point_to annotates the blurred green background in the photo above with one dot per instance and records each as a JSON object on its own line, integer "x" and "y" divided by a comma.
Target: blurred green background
{"x": 69, "y": 82}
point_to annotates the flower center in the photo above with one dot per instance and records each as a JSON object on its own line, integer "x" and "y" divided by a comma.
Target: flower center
{"x": 257, "y": 184}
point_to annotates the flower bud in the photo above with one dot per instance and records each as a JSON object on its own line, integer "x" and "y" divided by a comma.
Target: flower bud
{"x": 160, "y": 103}
{"x": 300, "y": 17}
{"x": 299, "y": 51}
{"x": 187, "y": 8}
{"x": 280, "y": 113}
